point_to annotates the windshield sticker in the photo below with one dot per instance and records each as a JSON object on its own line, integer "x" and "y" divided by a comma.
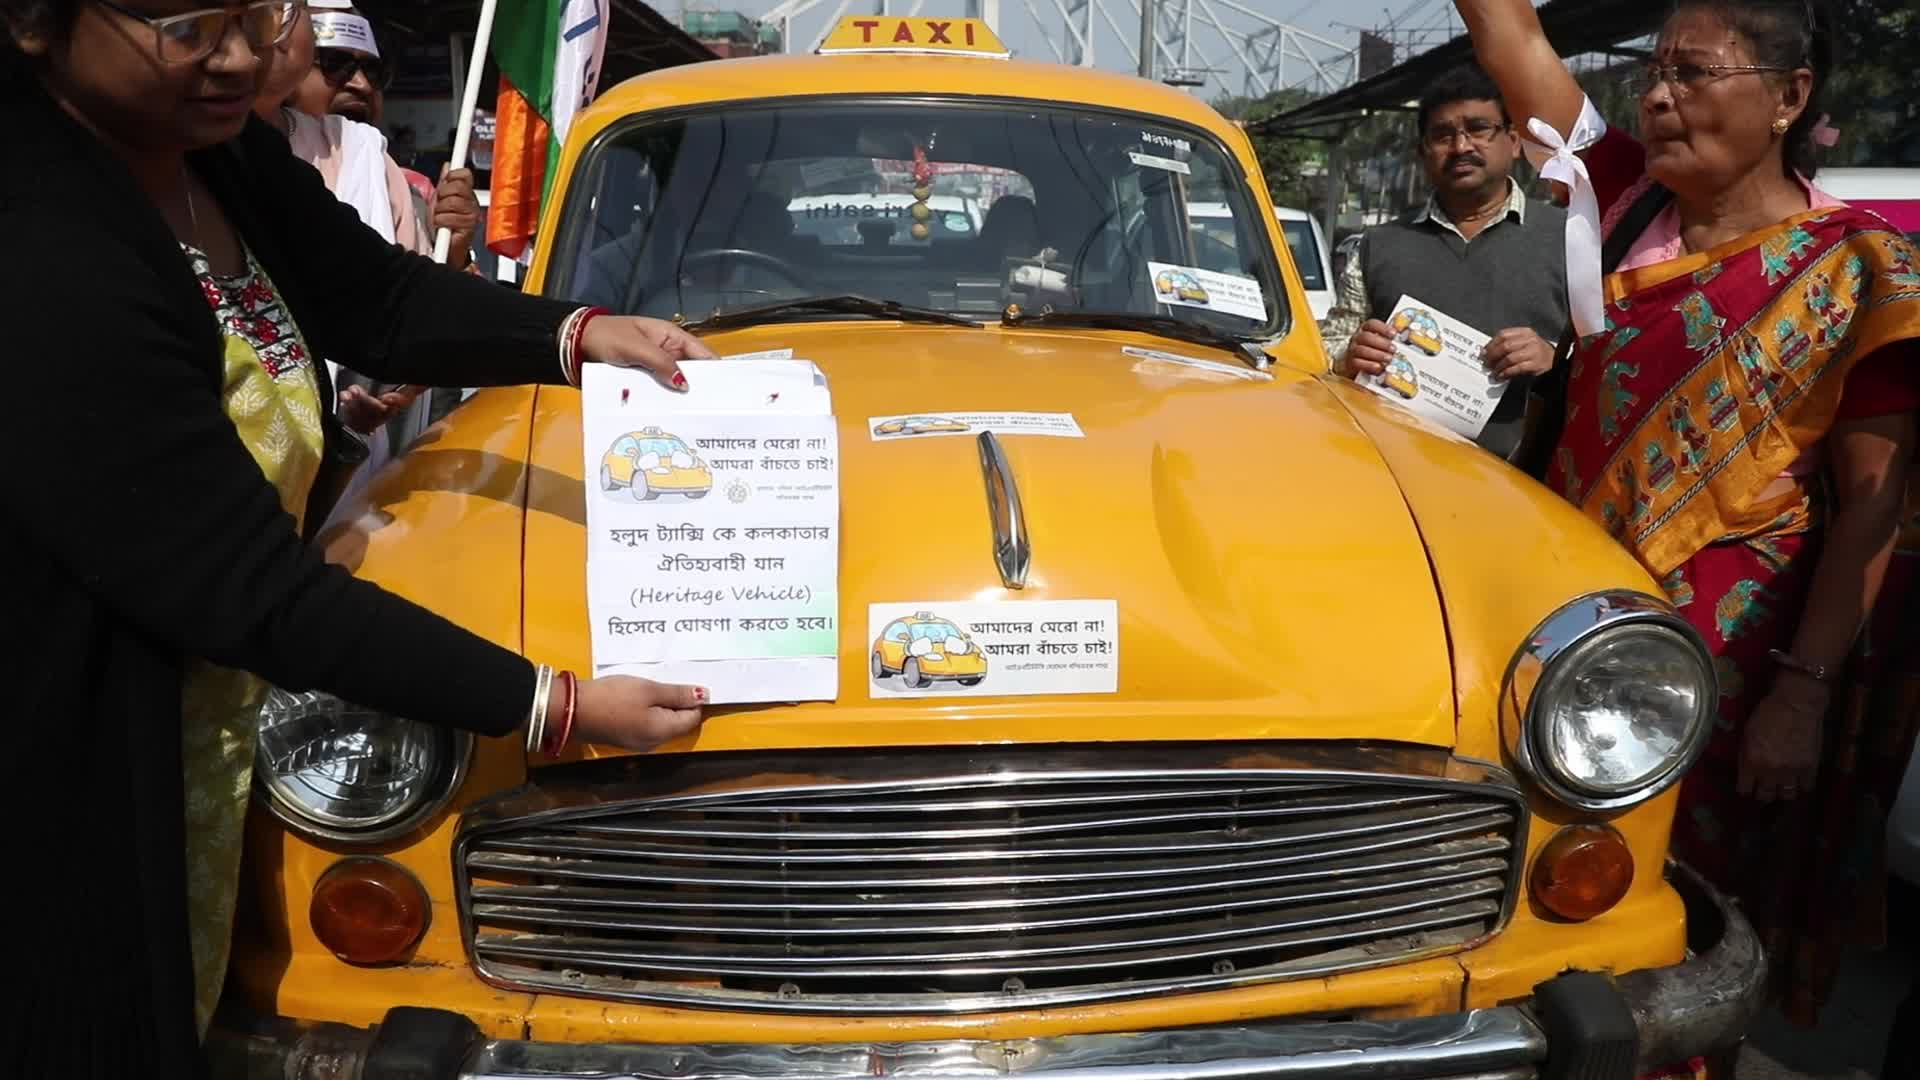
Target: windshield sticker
{"x": 920, "y": 425}
{"x": 998, "y": 649}
{"x": 1149, "y": 161}
{"x": 1437, "y": 369}
{"x": 1167, "y": 142}
{"x": 815, "y": 174}
{"x": 1190, "y": 286}
{"x": 1152, "y": 359}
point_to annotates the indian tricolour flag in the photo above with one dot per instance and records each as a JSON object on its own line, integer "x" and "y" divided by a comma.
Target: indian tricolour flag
{"x": 548, "y": 53}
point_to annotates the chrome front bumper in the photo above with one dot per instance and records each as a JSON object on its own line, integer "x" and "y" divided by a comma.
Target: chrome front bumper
{"x": 1667, "y": 1015}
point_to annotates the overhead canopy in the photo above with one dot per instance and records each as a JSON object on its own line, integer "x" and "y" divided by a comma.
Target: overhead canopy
{"x": 1574, "y": 27}
{"x": 641, "y": 39}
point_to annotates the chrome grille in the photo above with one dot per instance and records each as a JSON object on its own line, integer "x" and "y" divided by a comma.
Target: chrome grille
{"x": 942, "y": 881}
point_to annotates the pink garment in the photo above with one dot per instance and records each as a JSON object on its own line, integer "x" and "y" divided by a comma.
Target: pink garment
{"x": 1661, "y": 239}
{"x": 420, "y": 184}
{"x": 318, "y": 141}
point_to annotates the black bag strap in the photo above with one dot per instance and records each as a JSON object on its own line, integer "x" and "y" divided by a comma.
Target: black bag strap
{"x": 1547, "y": 398}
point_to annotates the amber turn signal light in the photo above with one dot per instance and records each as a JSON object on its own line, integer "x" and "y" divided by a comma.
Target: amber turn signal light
{"x": 1582, "y": 872}
{"x": 368, "y": 911}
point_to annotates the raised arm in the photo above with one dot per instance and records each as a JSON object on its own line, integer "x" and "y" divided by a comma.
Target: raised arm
{"x": 1513, "y": 48}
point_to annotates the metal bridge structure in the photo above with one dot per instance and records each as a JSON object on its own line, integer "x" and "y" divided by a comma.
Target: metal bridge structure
{"x": 1215, "y": 47}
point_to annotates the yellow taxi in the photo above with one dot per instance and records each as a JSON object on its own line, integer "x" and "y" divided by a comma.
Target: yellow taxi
{"x": 923, "y": 649}
{"x": 650, "y": 463}
{"x": 1379, "y": 782}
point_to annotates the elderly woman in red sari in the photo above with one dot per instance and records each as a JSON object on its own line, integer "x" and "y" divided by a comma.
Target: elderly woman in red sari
{"x": 1740, "y": 413}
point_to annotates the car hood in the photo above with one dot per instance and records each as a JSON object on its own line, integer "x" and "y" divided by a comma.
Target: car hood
{"x": 1269, "y": 580}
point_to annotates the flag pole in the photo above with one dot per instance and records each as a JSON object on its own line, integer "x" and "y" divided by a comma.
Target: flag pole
{"x": 469, "y": 101}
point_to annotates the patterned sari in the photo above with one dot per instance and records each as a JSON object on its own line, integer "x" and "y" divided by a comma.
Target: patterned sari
{"x": 1717, "y": 373}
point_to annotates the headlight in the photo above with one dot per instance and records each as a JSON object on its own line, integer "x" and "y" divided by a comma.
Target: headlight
{"x": 347, "y": 773}
{"x": 1609, "y": 701}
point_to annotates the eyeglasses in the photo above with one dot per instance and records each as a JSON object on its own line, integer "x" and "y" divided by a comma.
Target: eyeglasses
{"x": 1686, "y": 78}
{"x": 1478, "y": 132}
{"x": 337, "y": 66}
{"x": 194, "y": 35}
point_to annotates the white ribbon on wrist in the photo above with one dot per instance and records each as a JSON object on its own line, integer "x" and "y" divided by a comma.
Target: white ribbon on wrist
{"x": 1557, "y": 160}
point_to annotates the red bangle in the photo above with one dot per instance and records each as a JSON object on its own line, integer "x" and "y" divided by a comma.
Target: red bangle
{"x": 556, "y": 736}
{"x": 570, "y": 357}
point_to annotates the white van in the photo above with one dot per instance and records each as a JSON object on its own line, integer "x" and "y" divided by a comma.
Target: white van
{"x": 1311, "y": 255}
{"x": 1305, "y": 241}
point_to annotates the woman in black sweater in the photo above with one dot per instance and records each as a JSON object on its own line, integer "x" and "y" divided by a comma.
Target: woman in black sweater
{"x": 171, "y": 273}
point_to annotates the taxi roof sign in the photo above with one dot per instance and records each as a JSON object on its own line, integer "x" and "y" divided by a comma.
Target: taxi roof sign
{"x": 914, "y": 34}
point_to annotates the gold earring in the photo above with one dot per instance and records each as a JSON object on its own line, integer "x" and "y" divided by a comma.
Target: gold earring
{"x": 1780, "y": 125}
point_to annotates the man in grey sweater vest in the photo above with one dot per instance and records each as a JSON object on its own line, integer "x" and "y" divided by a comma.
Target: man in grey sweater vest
{"x": 1479, "y": 250}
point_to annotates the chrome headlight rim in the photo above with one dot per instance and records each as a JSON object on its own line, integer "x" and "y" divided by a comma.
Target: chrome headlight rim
{"x": 1563, "y": 633}
{"x": 436, "y": 793}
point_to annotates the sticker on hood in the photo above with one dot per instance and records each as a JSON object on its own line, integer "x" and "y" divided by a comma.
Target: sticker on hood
{"x": 997, "y": 648}
{"x": 920, "y": 425}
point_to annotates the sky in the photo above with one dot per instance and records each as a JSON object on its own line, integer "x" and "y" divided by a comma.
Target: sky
{"x": 1336, "y": 20}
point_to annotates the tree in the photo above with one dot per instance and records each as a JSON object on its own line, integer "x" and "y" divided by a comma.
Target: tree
{"x": 1292, "y": 166}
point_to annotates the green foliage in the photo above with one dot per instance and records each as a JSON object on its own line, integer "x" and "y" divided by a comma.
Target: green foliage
{"x": 1292, "y": 166}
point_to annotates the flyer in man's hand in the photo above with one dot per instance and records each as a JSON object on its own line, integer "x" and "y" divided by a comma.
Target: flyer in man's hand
{"x": 1438, "y": 369}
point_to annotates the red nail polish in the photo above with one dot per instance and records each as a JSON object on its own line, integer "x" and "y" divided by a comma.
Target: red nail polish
{"x": 699, "y": 695}
{"x": 680, "y": 380}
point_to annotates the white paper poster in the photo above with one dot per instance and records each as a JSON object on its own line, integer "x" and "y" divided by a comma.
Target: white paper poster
{"x": 997, "y": 648}
{"x": 714, "y": 536}
{"x": 1190, "y": 286}
{"x": 924, "y": 425}
{"x": 1438, "y": 370}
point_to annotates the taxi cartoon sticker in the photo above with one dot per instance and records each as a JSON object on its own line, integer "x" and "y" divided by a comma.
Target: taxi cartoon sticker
{"x": 932, "y": 424}
{"x": 1190, "y": 286}
{"x": 1179, "y": 286}
{"x": 649, "y": 463}
{"x": 924, "y": 648}
{"x": 1004, "y": 648}
{"x": 1401, "y": 378}
{"x": 920, "y": 425}
{"x": 1418, "y": 328}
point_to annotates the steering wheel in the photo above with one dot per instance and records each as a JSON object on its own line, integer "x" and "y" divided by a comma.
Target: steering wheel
{"x": 760, "y": 259}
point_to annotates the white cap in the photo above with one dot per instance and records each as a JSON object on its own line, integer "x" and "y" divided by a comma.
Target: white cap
{"x": 344, "y": 30}
{"x": 330, "y": 5}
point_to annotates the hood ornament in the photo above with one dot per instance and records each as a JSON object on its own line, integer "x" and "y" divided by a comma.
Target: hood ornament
{"x": 1011, "y": 551}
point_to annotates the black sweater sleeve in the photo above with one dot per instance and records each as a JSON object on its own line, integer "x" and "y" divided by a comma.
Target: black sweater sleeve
{"x": 121, "y": 464}
{"x": 385, "y": 311}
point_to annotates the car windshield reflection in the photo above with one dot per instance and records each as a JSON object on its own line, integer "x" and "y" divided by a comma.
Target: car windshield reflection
{"x": 947, "y": 207}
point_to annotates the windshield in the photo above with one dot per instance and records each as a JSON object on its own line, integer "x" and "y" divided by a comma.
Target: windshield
{"x": 1306, "y": 253}
{"x": 936, "y": 631}
{"x": 964, "y": 208}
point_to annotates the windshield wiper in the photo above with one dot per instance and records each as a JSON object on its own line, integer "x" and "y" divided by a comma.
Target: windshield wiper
{"x": 847, "y": 304}
{"x": 1246, "y": 345}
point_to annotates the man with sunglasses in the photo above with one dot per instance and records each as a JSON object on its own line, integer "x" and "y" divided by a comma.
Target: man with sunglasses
{"x": 1479, "y": 250}
{"x": 349, "y": 77}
